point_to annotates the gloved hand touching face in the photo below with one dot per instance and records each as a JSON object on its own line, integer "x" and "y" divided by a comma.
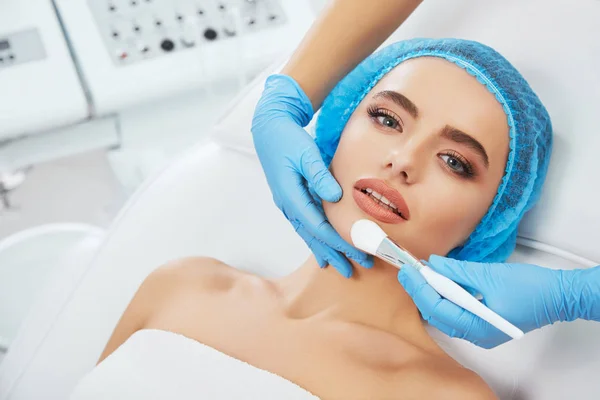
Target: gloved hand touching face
{"x": 293, "y": 166}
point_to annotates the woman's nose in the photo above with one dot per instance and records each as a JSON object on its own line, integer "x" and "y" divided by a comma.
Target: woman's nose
{"x": 407, "y": 161}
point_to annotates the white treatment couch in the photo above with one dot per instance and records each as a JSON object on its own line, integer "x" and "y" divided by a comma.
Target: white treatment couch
{"x": 214, "y": 201}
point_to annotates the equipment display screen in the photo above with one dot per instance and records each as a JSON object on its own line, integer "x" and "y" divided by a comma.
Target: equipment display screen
{"x": 4, "y": 45}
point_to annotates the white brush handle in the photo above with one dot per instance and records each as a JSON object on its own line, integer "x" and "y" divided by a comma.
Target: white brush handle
{"x": 455, "y": 293}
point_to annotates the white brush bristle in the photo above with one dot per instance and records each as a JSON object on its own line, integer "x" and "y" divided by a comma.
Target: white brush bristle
{"x": 367, "y": 235}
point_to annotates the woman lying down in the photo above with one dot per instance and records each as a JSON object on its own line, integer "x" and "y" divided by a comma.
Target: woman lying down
{"x": 445, "y": 146}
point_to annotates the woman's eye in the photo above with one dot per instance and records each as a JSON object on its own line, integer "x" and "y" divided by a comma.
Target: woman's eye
{"x": 388, "y": 122}
{"x": 385, "y": 118}
{"x": 454, "y": 163}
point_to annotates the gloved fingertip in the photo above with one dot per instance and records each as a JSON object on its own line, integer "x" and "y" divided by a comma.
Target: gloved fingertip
{"x": 401, "y": 277}
{"x": 331, "y": 192}
{"x": 326, "y": 187}
{"x": 435, "y": 259}
{"x": 322, "y": 262}
{"x": 368, "y": 262}
{"x": 365, "y": 260}
{"x": 345, "y": 271}
{"x": 346, "y": 274}
{"x": 409, "y": 278}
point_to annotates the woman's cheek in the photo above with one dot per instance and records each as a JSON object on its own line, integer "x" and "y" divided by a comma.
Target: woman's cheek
{"x": 450, "y": 220}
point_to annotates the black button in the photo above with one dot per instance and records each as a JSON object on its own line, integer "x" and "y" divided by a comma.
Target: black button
{"x": 251, "y": 21}
{"x": 210, "y": 34}
{"x": 115, "y": 34}
{"x": 167, "y": 45}
{"x": 158, "y": 23}
{"x": 133, "y": 3}
{"x": 11, "y": 57}
{"x": 200, "y": 12}
{"x": 272, "y": 17}
{"x": 221, "y": 7}
{"x": 112, "y": 8}
{"x": 180, "y": 18}
{"x": 1, "y": 59}
{"x": 136, "y": 28}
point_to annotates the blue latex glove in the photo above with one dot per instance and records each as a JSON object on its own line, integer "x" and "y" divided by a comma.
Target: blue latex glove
{"x": 293, "y": 166}
{"x": 526, "y": 295}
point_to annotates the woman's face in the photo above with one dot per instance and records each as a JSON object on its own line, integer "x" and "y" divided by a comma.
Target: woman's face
{"x": 434, "y": 142}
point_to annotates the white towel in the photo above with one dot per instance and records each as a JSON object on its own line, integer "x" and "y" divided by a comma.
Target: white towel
{"x": 155, "y": 364}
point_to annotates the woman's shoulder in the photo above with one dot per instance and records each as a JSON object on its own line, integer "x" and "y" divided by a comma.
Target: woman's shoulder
{"x": 186, "y": 285}
{"x": 178, "y": 282}
{"x": 200, "y": 273}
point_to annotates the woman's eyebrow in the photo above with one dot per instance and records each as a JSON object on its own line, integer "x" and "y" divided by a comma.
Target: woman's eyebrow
{"x": 401, "y": 100}
{"x": 458, "y": 136}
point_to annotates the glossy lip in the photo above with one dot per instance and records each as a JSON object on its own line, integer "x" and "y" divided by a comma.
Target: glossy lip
{"x": 368, "y": 205}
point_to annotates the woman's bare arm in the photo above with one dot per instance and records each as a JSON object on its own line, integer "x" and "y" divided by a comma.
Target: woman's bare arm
{"x": 148, "y": 296}
{"x": 190, "y": 274}
{"x": 344, "y": 34}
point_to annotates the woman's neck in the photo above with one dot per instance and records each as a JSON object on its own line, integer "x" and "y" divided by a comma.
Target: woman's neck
{"x": 372, "y": 297}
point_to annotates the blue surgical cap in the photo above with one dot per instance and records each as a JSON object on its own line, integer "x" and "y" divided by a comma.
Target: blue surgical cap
{"x": 530, "y": 130}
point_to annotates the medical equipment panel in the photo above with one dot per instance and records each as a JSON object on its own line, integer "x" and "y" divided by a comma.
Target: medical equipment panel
{"x": 137, "y": 30}
{"x": 21, "y": 47}
{"x": 138, "y": 51}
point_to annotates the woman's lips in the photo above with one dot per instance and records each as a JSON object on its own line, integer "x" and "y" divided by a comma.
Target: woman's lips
{"x": 376, "y": 209}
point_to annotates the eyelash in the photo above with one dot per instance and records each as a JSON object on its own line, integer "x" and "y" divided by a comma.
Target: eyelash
{"x": 375, "y": 112}
{"x": 468, "y": 173}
